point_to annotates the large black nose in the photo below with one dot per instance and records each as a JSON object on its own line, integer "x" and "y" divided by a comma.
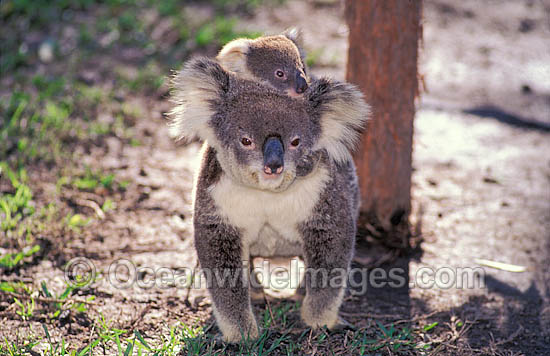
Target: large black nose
{"x": 273, "y": 156}
{"x": 301, "y": 84}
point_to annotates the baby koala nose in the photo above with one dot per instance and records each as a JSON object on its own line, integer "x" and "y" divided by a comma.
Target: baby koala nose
{"x": 301, "y": 84}
{"x": 273, "y": 156}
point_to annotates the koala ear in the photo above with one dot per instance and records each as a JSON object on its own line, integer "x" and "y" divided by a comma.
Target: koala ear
{"x": 342, "y": 113}
{"x": 296, "y": 35}
{"x": 196, "y": 90}
{"x": 233, "y": 55}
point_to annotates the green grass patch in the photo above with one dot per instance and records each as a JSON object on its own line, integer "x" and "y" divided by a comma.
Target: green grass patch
{"x": 76, "y": 222}
{"x": 92, "y": 180}
{"x": 148, "y": 79}
{"x": 44, "y": 127}
{"x": 196, "y": 340}
{"x": 15, "y": 349}
{"x": 25, "y": 308}
{"x": 10, "y": 260}
{"x": 220, "y": 31}
{"x": 314, "y": 57}
{"x": 14, "y": 287}
{"x": 62, "y": 302}
{"x": 35, "y": 129}
{"x": 242, "y": 5}
{"x": 14, "y": 207}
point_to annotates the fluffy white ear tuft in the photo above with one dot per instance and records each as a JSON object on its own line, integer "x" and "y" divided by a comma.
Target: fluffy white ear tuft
{"x": 195, "y": 90}
{"x": 296, "y": 35}
{"x": 233, "y": 55}
{"x": 342, "y": 113}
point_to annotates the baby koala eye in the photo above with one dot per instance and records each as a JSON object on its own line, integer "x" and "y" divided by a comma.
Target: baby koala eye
{"x": 245, "y": 141}
{"x": 295, "y": 142}
{"x": 279, "y": 73}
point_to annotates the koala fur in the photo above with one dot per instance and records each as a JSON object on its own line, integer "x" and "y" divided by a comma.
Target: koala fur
{"x": 261, "y": 58}
{"x": 240, "y": 210}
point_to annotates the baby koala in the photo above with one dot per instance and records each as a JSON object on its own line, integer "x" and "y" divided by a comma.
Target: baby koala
{"x": 249, "y": 196}
{"x": 276, "y": 60}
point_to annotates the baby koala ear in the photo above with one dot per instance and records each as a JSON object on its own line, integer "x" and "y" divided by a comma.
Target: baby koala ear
{"x": 233, "y": 55}
{"x": 196, "y": 91}
{"x": 296, "y": 35}
{"x": 342, "y": 113}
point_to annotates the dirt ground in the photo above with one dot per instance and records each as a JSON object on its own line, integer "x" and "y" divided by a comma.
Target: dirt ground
{"x": 481, "y": 190}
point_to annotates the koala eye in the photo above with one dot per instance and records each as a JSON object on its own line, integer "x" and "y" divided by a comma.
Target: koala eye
{"x": 295, "y": 142}
{"x": 246, "y": 141}
{"x": 279, "y": 73}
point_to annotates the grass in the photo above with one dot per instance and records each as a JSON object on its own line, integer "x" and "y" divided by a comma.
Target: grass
{"x": 220, "y": 31}
{"x": 318, "y": 58}
{"x": 14, "y": 207}
{"x": 10, "y": 260}
{"x": 37, "y": 127}
{"x": 279, "y": 335}
{"x": 92, "y": 179}
{"x": 122, "y": 21}
{"x": 149, "y": 79}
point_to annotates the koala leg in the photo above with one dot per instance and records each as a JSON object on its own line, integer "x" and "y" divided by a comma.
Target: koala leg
{"x": 327, "y": 254}
{"x": 221, "y": 257}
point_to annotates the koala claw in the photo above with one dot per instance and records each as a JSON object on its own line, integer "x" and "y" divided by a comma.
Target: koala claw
{"x": 343, "y": 325}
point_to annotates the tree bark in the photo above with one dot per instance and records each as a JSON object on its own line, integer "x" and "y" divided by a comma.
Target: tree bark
{"x": 382, "y": 61}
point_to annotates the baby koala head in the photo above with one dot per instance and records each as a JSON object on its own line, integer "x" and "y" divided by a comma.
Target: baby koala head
{"x": 260, "y": 134}
{"x": 277, "y": 60}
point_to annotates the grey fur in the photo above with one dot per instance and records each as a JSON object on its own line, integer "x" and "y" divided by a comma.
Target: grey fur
{"x": 309, "y": 210}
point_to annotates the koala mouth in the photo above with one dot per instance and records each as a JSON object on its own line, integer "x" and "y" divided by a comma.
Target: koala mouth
{"x": 294, "y": 94}
{"x": 275, "y": 182}
{"x": 271, "y": 177}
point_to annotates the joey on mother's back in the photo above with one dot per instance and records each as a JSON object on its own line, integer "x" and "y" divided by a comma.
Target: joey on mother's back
{"x": 253, "y": 195}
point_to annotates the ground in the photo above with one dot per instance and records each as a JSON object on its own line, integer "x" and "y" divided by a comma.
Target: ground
{"x": 88, "y": 166}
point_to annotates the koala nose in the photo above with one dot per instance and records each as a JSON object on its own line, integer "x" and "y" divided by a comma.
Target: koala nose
{"x": 273, "y": 156}
{"x": 301, "y": 84}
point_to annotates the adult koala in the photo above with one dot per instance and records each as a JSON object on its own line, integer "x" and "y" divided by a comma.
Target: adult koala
{"x": 259, "y": 192}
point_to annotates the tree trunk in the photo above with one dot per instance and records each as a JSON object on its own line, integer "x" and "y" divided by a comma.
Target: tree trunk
{"x": 382, "y": 61}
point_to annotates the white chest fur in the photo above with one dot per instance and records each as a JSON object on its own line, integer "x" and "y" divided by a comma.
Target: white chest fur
{"x": 269, "y": 220}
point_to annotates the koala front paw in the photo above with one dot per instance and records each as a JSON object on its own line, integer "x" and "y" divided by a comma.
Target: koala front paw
{"x": 307, "y": 163}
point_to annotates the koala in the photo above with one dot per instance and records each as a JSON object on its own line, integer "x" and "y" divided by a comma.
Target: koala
{"x": 250, "y": 198}
{"x": 277, "y": 60}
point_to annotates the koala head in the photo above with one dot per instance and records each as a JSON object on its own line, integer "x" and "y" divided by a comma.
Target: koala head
{"x": 277, "y": 60}
{"x": 260, "y": 134}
